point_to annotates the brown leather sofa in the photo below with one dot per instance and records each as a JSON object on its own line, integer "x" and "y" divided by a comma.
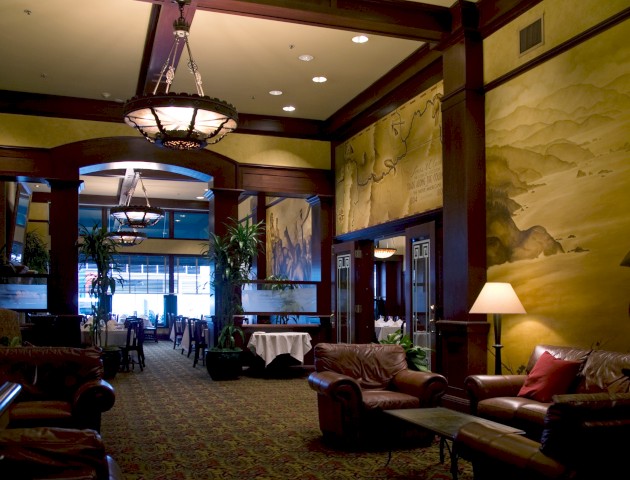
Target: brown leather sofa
{"x": 61, "y": 386}
{"x": 495, "y": 397}
{"x": 356, "y": 382}
{"x": 585, "y": 436}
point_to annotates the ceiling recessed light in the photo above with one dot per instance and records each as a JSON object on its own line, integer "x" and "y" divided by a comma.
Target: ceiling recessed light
{"x": 289, "y": 108}
{"x": 319, "y": 79}
{"x": 360, "y": 39}
{"x": 200, "y": 198}
{"x": 275, "y": 92}
{"x": 306, "y": 58}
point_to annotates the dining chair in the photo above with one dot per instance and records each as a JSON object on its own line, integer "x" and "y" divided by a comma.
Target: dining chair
{"x": 190, "y": 331}
{"x": 135, "y": 340}
{"x": 150, "y": 329}
{"x": 178, "y": 331}
{"x": 200, "y": 342}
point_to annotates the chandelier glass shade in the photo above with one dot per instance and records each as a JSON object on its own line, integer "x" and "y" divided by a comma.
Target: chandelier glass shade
{"x": 127, "y": 238}
{"x": 137, "y": 216}
{"x": 380, "y": 252}
{"x": 180, "y": 121}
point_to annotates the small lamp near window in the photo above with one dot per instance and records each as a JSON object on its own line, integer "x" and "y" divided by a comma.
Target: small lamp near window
{"x": 497, "y": 298}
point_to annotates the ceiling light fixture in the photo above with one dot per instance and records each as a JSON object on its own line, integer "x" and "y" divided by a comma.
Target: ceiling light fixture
{"x": 275, "y": 92}
{"x": 289, "y": 108}
{"x": 306, "y": 58}
{"x": 319, "y": 79}
{"x": 180, "y": 121}
{"x": 137, "y": 216}
{"x": 380, "y": 252}
{"x": 127, "y": 238}
{"x": 360, "y": 39}
{"x": 383, "y": 252}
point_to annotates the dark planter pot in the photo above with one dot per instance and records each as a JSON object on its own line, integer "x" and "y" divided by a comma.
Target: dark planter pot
{"x": 111, "y": 363}
{"x": 224, "y": 364}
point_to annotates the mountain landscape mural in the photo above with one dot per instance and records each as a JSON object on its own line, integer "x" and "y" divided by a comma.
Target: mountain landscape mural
{"x": 558, "y": 192}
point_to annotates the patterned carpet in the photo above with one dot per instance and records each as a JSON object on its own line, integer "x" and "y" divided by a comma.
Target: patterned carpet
{"x": 173, "y": 422}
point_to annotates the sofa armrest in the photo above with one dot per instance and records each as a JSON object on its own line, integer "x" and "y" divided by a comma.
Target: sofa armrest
{"x": 480, "y": 387}
{"x": 497, "y": 454}
{"x": 335, "y": 385}
{"x": 94, "y": 395}
{"x": 426, "y": 386}
{"x": 53, "y": 452}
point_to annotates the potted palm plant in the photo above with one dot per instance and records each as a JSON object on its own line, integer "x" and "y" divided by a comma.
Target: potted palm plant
{"x": 233, "y": 255}
{"x": 95, "y": 246}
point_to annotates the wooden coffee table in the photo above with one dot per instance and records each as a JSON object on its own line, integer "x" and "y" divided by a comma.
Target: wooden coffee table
{"x": 445, "y": 423}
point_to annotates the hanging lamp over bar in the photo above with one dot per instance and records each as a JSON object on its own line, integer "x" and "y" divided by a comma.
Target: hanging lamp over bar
{"x": 180, "y": 121}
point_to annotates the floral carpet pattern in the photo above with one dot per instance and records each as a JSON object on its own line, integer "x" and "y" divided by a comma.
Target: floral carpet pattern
{"x": 171, "y": 421}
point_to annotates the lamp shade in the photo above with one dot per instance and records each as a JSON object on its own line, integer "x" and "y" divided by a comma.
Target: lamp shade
{"x": 497, "y": 297}
{"x": 380, "y": 252}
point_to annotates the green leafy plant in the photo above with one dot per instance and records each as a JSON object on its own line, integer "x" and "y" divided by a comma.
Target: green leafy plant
{"x": 36, "y": 255}
{"x": 234, "y": 255}
{"x": 417, "y": 357}
{"x": 95, "y": 246}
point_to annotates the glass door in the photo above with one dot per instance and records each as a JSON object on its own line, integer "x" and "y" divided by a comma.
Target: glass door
{"x": 353, "y": 292}
{"x": 422, "y": 287}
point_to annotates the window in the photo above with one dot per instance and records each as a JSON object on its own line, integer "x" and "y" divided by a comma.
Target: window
{"x": 191, "y": 225}
{"x": 89, "y": 216}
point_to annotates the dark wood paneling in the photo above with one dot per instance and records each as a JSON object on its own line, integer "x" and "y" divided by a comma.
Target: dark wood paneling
{"x": 287, "y": 181}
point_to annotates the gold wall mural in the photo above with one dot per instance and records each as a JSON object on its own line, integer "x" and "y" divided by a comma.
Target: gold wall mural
{"x": 393, "y": 168}
{"x": 558, "y": 194}
{"x": 289, "y": 234}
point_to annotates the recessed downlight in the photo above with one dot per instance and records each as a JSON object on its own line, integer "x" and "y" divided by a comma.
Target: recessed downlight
{"x": 275, "y": 92}
{"x": 320, "y": 79}
{"x": 360, "y": 39}
{"x": 306, "y": 57}
{"x": 289, "y": 108}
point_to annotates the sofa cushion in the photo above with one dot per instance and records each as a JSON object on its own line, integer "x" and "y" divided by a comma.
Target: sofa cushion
{"x": 550, "y": 376}
{"x": 49, "y": 413}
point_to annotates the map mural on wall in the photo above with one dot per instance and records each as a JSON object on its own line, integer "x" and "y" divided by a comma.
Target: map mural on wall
{"x": 289, "y": 234}
{"x": 393, "y": 168}
{"x": 558, "y": 193}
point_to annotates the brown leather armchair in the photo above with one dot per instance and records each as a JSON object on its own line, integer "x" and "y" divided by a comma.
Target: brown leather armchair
{"x": 356, "y": 382}
{"x": 61, "y": 386}
{"x": 584, "y": 437}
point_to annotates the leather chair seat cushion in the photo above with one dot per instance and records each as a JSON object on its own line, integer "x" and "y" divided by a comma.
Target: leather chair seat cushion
{"x": 388, "y": 400}
{"x": 509, "y": 410}
{"x": 39, "y": 413}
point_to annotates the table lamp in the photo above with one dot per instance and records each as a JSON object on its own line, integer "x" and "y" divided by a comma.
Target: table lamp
{"x": 497, "y": 298}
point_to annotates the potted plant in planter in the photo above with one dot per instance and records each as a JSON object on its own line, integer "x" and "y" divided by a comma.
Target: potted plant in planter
{"x": 36, "y": 255}
{"x": 233, "y": 254}
{"x": 95, "y": 246}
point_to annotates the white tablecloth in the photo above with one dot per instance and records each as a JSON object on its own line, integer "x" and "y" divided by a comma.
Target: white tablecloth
{"x": 116, "y": 337}
{"x": 270, "y": 345}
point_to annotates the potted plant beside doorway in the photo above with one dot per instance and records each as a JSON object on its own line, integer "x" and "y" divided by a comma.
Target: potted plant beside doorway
{"x": 96, "y": 246}
{"x": 233, "y": 255}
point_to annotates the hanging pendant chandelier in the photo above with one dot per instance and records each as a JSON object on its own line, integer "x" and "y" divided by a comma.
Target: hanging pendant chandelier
{"x": 380, "y": 252}
{"x": 137, "y": 216}
{"x": 127, "y": 238}
{"x": 180, "y": 121}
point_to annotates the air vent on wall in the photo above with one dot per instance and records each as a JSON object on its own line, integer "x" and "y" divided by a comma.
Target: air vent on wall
{"x": 531, "y": 36}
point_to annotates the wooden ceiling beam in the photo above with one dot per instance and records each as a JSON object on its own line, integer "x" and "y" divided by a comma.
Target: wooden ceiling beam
{"x": 414, "y": 21}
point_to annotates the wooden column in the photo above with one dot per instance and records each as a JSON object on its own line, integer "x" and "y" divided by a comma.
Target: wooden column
{"x": 223, "y": 207}
{"x": 322, "y": 210}
{"x": 261, "y": 214}
{"x": 63, "y": 282}
{"x": 464, "y": 218}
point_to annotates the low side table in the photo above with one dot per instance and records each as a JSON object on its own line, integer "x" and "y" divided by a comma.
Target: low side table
{"x": 445, "y": 423}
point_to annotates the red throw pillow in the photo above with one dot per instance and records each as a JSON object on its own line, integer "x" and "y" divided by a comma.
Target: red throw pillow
{"x": 550, "y": 376}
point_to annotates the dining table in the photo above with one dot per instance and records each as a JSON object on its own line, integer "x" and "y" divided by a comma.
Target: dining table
{"x": 113, "y": 337}
{"x": 268, "y": 345}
